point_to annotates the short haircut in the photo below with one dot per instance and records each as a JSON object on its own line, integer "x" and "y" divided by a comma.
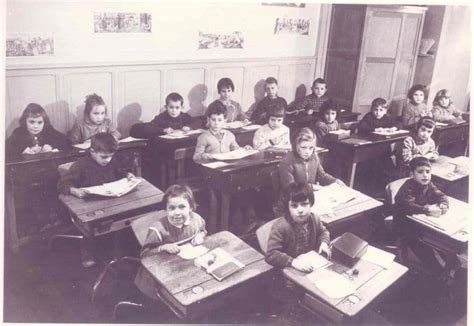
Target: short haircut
{"x": 216, "y": 107}
{"x": 378, "y": 102}
{"x": 271, "y": 80}
{"x": 318, "y": 81}
{"x": 440, "y": 94}
{"x": 298, "y": 192}
{"x": 34, "y": 110}
{"x": 275, "y": 110}
{"x": 305, "y": 134}
{"x": 330, "y": 104}
{"x": 104, "y": 142}
{"x": 91, "y": 101}
{"x": 225, "y": 83}
{"x": 416, "y": 88}
{"x": 419, "y": 161}
{"x": 175, "y": 97}
{"x": 180, "y": 190}
{"x": 426, "y": 122}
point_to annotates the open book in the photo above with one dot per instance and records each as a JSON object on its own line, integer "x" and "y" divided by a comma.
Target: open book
{"x": 114, "y": 189}
{"x": 390, "y": 132}
{"x": 447, "y": 223}
{"x": 219, "y": 263}
{"x": 331, "y": 196}
{"x": 234, "y": 124}
{"x": 234, "y": 155}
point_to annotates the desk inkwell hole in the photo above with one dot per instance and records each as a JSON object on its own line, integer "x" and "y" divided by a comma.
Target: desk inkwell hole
{"x": 353, "y": 299}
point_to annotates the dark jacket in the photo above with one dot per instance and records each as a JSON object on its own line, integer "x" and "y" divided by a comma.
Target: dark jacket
{"x": 369, "y": 123}
{"x": 161, "y": 122}
{"x": 259, "y": 116}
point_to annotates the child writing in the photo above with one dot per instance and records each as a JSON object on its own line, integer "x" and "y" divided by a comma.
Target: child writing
{"x": 295, "y": 233}
{"x": 312, "y": 103}
{"x": 225, "y": 88}
{"x": 181, "y": 222}
{"x": 94, "y": 121}
{"x": 419, "y": 195}
{"x": 274, "y": 133}
{"x": 443, "y": 107}
{"x": 415, "y": 108}
{"x": 420, "y": 142}
{"x": 99, "y": 167}
{"x": 216, "y": 139}
{"x": 167, "y": 122}
{"x": 35, "y": 134}
{"x": 327, "y": 122}
{"x": 259, "y": 116}
{"x": 377, "y": 119}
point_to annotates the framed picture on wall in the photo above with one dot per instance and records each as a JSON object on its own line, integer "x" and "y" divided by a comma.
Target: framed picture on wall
{"x": 122, "y": 22}
{"x": 29, "y": 45}
{"x": 234, "y": 40}
{"x": 291, "y": 26}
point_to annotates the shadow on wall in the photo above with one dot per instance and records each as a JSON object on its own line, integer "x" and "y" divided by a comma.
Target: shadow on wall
{"x": 15, "y": 123}
{"x": 127, "y": 117}
{"x": 258, "y": 95}
{"x": 300, "y": 94}
{"x": 396, "y": 105}
{"x": 196, "y": 98}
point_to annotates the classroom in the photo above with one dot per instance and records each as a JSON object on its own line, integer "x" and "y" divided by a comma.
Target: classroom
{"x": 237, "y": 162}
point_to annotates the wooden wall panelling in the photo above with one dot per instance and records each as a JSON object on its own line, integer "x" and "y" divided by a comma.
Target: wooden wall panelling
{"x": 190, "y": 82}
{"x": 295, "y": 80}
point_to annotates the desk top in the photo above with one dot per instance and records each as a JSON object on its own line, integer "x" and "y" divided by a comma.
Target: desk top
{"x": 443, "y": 169}
{"x": 359, "y": 140}
{"x": 179, "y": 276}
{"x": 191, "y": 139}
{"x": 369, "y": 283}
{"x": 65, "y": 154}
{"x": 98, "y": 208}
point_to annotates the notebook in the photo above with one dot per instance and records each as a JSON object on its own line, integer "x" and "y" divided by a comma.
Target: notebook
{"x": 114, "y": 189}
{"x": 219, "y": 263}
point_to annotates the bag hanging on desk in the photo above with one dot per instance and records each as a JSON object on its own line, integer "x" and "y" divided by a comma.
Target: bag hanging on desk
{"x": 348, "y": 249}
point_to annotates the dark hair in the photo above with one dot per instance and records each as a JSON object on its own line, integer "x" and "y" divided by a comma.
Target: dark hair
{"x": 318, "y": 81}
{"x": 378, "y": 102}
{"x": 304, "y": 134}
{"x": 275, "y": 110}
{"x": 298, "y": 192}
{"x": 34, "y": 110}
{"x": 225, "y": 83}
{"x": 216, "y": 107}
{"x": 416, "y": 88}
{"x": 442, "y": 93}
{"x": 330, "y": 104}
{"x": 180, "y": 190}
{"x": 271, "y": 80}
{"x": 419, "y": 161}
{"x": 91, "y": 101}
{"x": 426, "y": 122}
{"x": 104, "y": 142}
{"x": 175, "y": 97}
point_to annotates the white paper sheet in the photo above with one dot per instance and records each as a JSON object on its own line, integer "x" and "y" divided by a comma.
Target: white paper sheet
{"x": 114, "y": 189}
{"x": 251, "y": 127}
{"x": 174, "y": 136}
{"x": 130, "y": 139}
{"x": 195, "y": 131}
{"x": 449, "y": 223}
{"x": 234, "y": 124}
{"x": 215, "y": 165}
{"x": 188, "y": 251}
{"x": 331, "y": 284}
{"x": 388, "y": 132}
{"x": 84, "y": 145}
{"x": 234, "y": 155}
{"x": 329, "y": 197}
{"x": 378, "y": 257}
{"x": 313, "y": 258}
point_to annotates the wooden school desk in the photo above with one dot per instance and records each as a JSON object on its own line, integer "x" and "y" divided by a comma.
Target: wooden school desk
{"x": 164, "y": 149}
{"x": 191, "y": 292}
{"x": 301, "y": 120}
{"x": 40, "y": 171}
{"x": 452, "y": 135}
{"x": 449, "y": 180}
{"x": 360, "y": 148}
{"x": 370, "y": 282}
{"x": 235, "y": 176}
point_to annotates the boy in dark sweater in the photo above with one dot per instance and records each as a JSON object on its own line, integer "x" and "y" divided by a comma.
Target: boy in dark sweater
{"x": 419, "y": 195}
{"x": 259, "y": 116}
{"x": 92, "y": 170}
{"x": 377, "y": 119}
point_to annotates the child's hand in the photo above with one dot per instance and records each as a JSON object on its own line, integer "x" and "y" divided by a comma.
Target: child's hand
{"x": 433, "y": 210}
{"x": 444, "y": 208}
{"x": 309, "y": 112}
{"x": 324, "y": 250}
{"x": 393, "y": 129}
{"x": 186, "y": 128}
{"x": 433, "y": 157}
{"x": 198, "y": 239}
{"x": 246, "y": 122}
{"x": 168, "y": 131}
{"x": 78, "y": 192}
{"x": 206, "y": 156}
{"x": 248, "y": 147}
{"x": 130, "y": 176}
{"x": 379, "y": 129}
{"x": 301, "y": 265}
{"x": 28, "y": 151}
{"x": 170, "y": 248}
{"x": 36, "y": 149}
{"x": 46, "y": 148}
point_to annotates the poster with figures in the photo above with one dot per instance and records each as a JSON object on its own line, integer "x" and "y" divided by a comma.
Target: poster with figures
{"x": 28, "y": 45}
{"x": 291, "y": 26}
{"x": 234, "y": 40}
{"x": 121, "y": 22}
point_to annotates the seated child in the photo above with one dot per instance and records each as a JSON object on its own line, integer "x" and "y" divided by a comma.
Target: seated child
{"x": 443, "y": 107}
{"x": 420, "y": 142}
{"x": 419, "y": 195}
{"x": 327, "y": 121}
{"x": 259, "y": 116}
{"x": 295, "y": 233}
{"x": 274, "y": 133}
{"x": 100, "y": 167}
{"x": 225, "y": 88}
{"x": 312, "y": 103}
{"x": 216, "y": 139}
{"x": 95, "y": 120}
{"x": 415, "y": 108}
{"x": 166, "y": 122}
{"x": 377, "y": 118}
{"x": 181, "y": 222}
{"x": 35, "y": 134}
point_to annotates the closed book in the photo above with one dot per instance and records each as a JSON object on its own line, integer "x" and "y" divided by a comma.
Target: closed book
{"x": 219, "y": 263}
{"x": 348, "y": 249}
{"x": 338, "y": 134}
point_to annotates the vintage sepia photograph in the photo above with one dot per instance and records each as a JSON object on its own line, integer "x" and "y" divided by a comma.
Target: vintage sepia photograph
{"x": 236, "y": 163}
